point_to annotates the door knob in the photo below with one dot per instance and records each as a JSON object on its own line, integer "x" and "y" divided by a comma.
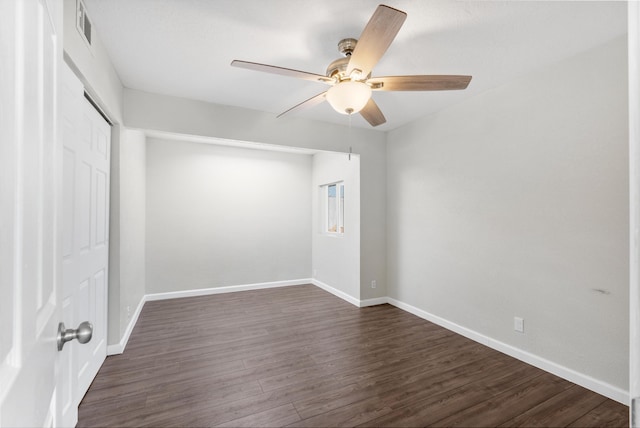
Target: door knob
{"x": 83, "y": 333}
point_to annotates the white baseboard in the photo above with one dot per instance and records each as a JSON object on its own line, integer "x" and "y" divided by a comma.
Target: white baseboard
{"x": 344, "y": 296}
{"x": 118, "y": 348}
{"x": 336, "y": 292}
{"x": 373, "y": 302}
{"x": 227, "y": 289}
{"x": 581, "y": 379}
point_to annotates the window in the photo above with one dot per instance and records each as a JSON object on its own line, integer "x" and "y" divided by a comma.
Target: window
{"x": 334, "y": 207}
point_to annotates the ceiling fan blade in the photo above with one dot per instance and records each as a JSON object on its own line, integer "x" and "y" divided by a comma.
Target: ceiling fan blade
{"x": 311, "y": 102}
{"x": 419, "y": 83}
{"x": 372, "y": 113}
{"x": 376, "y": 39}
{"x": 282, "y": 71}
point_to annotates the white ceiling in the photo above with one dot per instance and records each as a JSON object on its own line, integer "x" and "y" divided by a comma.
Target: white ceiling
{"x": 184, "y": 47}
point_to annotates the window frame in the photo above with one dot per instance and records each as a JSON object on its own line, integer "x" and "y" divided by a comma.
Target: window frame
{"x": 339, "y": 209}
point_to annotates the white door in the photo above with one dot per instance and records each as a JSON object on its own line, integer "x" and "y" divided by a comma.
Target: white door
{"x": 30, "y": 195}
{"x": 86, "y": 154}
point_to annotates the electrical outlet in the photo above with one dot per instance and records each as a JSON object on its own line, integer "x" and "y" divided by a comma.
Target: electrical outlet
{"x": 315, "y": 273}
{"x": 128, "y": 312}
{"x": 374, "y": 284}
{"x": 518, "y": 324}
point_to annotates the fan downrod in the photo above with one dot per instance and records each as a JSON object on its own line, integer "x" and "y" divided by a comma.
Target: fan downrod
{"x": 338, "y": 67}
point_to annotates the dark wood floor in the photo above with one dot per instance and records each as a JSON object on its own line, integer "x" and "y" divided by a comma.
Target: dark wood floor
{"x": 299, "y": 356}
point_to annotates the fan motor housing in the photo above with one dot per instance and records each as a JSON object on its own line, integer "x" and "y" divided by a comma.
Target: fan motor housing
{"x": 338, "y": 67}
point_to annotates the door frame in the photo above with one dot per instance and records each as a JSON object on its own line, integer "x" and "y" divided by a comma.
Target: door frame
{"x": 634, "y": 212}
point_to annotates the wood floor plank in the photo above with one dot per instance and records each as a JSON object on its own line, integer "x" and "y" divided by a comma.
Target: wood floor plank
{"x": 507, "y": 405}
{"x": 394, "y": 389}
{"x": 299, "y": 356}
{"x": 561, "y": 409}
{"x": 118, "y": 404}
{"x": 276, "y": 417}
{"x": 608, "y": 414}
{"x": 426, "y": 407}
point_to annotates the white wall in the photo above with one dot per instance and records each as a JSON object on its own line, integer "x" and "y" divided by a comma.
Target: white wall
{"x": 515, "y": 203}
{"x": 127, "y": 231}
{"x": 114, "y": 305}
{"x": 182, "y": 116}
{"x": 132, "y": 223}
{"x": 222, "y": 216}
{"x": 92, "y": 65}
{"x": 336, "y": 259}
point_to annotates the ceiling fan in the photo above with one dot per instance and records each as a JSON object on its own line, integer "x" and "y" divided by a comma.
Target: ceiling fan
{"x": 350, "y": 77}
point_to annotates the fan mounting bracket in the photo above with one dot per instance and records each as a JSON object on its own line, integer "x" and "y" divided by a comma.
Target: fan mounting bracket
{"x": 346, "y": 46}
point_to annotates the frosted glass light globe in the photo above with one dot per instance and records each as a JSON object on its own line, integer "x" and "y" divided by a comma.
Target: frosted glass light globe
{"x": 349, "y": 97}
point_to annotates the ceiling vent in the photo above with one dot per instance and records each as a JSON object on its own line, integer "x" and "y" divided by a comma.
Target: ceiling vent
{"x": 83, "y": 23}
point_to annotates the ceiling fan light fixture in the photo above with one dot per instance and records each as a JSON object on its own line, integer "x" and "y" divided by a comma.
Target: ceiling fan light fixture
{"x": 350, "y": 77}
{"x": 349, "y": 97}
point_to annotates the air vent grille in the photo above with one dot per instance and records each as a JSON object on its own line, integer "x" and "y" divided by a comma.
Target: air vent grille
{"x": 83, "y": 23}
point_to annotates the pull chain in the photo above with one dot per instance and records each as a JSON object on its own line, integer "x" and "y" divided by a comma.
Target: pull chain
{"x": 349, "y": 136}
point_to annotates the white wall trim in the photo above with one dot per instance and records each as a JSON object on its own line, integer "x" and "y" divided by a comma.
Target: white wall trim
{"x": 581, "y": 379}
{"x": 336, "y": 292}
{"x": 118, "y": 348}
{"x": 344, "y": 296}
{"x": 373, "y": 302}
{"x": 226, "y": 289}
{"x": 634, "y": 212}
